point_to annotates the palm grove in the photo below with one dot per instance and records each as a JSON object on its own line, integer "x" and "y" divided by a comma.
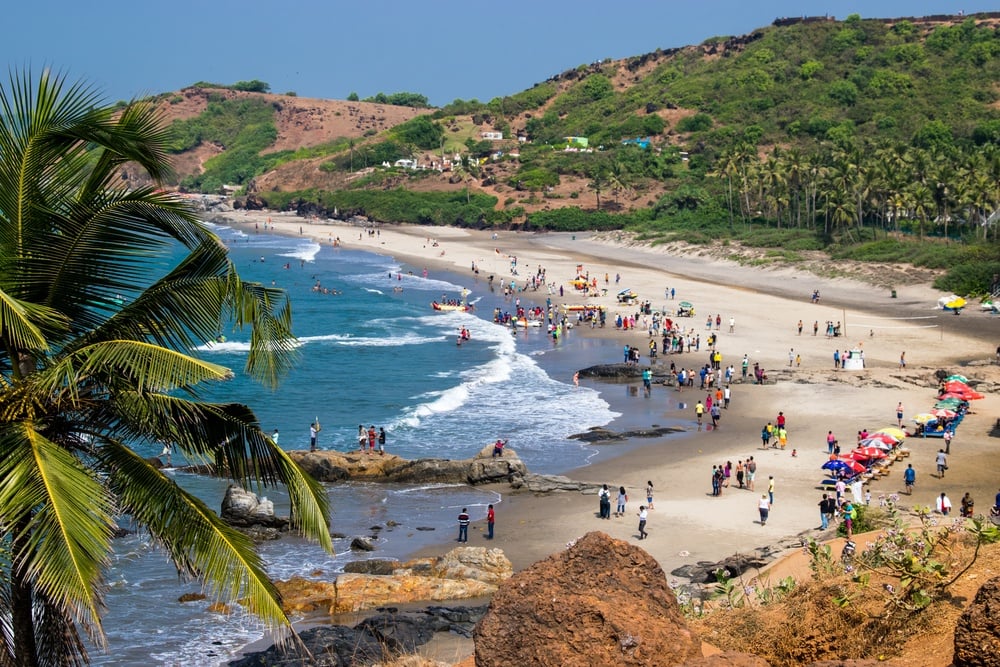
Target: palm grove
{"x": 95, "y": 333}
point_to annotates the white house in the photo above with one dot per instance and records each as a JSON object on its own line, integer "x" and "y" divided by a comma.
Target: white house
{"x": 492, "y": 135}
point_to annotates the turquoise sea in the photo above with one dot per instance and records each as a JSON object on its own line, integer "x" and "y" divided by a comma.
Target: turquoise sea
{"x": 372, "y": 353}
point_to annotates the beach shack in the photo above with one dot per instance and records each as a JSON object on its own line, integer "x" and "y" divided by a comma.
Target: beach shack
{"x": 855, "y": 360}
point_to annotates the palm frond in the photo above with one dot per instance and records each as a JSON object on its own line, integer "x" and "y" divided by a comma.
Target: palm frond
{"x": 60, "y": 519}
{"x": 142, "y": 366}
{"x": 197, "y": 540}
{"x": 272, "y": 345}
{"x": 17, "y": 324}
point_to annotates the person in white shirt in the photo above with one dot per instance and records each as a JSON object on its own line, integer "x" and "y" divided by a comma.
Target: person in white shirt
{"x": 642, "y": 522}
{"x": 944, "y": 504}
{"x": 942, "y": 462}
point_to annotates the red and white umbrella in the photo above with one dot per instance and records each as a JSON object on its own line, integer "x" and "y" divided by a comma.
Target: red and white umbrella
{"x": 867, "y": 454}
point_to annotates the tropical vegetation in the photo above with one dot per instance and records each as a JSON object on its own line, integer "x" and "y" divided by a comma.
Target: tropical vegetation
{"x": 96, "y": 328}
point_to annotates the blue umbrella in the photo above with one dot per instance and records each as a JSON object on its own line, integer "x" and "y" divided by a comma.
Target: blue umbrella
{"x": 839, "y": 465}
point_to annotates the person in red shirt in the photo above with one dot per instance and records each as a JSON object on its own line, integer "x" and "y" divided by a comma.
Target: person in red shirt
{"x": 780, "y": 420}
{"x": 371, "y": 439}
{"x": 490, "y": 517}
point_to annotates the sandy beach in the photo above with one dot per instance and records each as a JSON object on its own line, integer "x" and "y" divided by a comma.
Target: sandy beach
{"x": 687, "y": 523}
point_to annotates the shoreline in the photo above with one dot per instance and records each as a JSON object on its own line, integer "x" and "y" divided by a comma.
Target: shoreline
{"x": 687, "y": 524}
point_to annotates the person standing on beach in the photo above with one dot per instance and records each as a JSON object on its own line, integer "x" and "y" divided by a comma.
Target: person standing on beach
{"x": 815, "y": 327}
{"x": 765, "y": 435}
{"x": 381, "y": 441}
{"x": 764, "y": 507}
{"x": 799, "y": 326}
{"x": 770, "y": 489}
{"x": 699, "y": 410}
{"x": 944, "y": 504}
{"x": 490, "y": 519}
{"x": 716, "y": 413}
{"x": 947, "y": 436}
{"x": 739, "y": 472}
{"x": 780, "y": 420}
{"x": 899, "y": 414}
{"x": 826, "y": 508}
{"x": 726, "y": 395}
{"x": 372, "y": 436}
{"x": 604, "y": 496}
{"x": 902, "y": 360}
{"x": 362, "y": 438}
{"x": 463, "y": 525}
{"x": 848, "y": 512}
{"x": 836, "y": 358}
{"x": 649, "y": 494}
{"x": 751, "y": 473}
{"x": 791, "y": 355}
{"x": 745, "y": 367}
{"x": 941, "y": 460}
{"x": 642, "y": 522}
{"x": 622, "y": 499}
{"x": 909, "y": 477}
{"x": 831, "y": 440}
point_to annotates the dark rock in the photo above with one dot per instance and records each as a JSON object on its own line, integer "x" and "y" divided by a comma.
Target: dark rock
{"x": 362, "y": 544}
{"x": 425, "y": 528}
{"x": 599, "y": 435}
{"x": 703, "y": 572}
{"x": 612, "y": 372}
{"x": 191, "y": 597}
{"x": 600, "y": 602}
{"x": 547, "y": 483}
{"x": 977, "y": 634}
{"x": 373, "y": 566}
{"x": 378, "y": 638}
{"x": 391, "y": 524}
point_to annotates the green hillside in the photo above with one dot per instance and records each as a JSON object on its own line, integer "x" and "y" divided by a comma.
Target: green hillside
{"x": 862, "y": 137}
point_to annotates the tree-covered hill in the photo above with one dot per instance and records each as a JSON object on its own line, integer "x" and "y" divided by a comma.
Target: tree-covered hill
{"x": 808, "y": 133}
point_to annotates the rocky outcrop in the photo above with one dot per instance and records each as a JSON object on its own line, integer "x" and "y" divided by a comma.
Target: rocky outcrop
{"x": 601, "y": 602}
{"x": 243, "y": 509}
{"x": 548, "y": 483}
{"x": 598, "y": 435}
{"x": 376, "y": 639}
{"x": 612, "y": 372}
{"x": 331, "y": 466}
{"x": 372, "y": 566}
{"x": 703, "y": 572}
{"x": 462, "y": 573}
{"x": 977, "y": 635}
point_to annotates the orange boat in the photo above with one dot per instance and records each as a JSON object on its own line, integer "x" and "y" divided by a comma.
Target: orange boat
{"x": 450, "y": 306}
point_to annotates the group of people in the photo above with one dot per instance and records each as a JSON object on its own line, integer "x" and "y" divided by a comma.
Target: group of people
{"x": 371, "y": 437}
{"x": 604, "y": 495}
{"x": 745, "y": 473}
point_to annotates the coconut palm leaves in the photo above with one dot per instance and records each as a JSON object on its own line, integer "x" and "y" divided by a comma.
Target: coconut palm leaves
{"x": 95, "y": 331}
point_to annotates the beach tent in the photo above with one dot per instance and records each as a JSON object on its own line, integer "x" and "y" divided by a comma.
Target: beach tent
{"x": 898, "y": 433}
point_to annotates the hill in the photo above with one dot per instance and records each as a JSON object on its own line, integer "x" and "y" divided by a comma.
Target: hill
{"x": 831, "y": 133}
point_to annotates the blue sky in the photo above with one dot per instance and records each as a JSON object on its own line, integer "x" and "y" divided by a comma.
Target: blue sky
{"x": 444, "y": 49}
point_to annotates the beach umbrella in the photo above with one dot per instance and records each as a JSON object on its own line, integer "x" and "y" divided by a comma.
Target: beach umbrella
{"x": 924, "y": 417}
{"x": 880, "y": 444}
{"x": 955, "y": 304}
{"x": 883, "y": 437}
{"x": 957, "y": 378}
{"x": 686, "y": 304}
{"x": 944, "y": 413}
{"x": 843, "y": 466}
{"x": 867, "y": 454}
{"x": 898, "y": 433}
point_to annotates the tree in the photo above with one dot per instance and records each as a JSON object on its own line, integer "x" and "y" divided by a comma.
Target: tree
{"x": 94, "y": 359}
{"x": 598, "y": 182}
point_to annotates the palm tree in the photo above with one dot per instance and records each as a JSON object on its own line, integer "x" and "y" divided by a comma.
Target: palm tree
{"x": 598, "y": 182}
{"x": 94, "y": 358}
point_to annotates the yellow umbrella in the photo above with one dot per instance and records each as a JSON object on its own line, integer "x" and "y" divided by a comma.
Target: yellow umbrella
{"x": 956, "y": 304}
{"x": 924, "y": 417}
{"x": 897, "y": 433}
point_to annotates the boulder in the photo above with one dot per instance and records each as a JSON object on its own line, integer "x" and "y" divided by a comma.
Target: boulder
{"x": 600, "y": 602}
{"x": 362, "y": 544}
{"x": 703, "y": 572}
{"x": 376, "y": 639}
{"x": 462, "y": 573}
{"x": 372, "y": 566}
{"x": 977, "y": 634}
{"x": 612, "y": 372}
{"x": 547, "y": 483}
{"x": 243, "y": 509}
{"x": 485, "y": 467}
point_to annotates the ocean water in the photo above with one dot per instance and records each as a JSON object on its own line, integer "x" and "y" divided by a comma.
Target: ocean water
{"x": 372, "y": 352}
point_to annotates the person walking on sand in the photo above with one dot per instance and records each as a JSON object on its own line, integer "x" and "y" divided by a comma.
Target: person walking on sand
{"x": 799, "y": 325}
{"x": 622, "y": 499}
{"x": 947, "y": 436}
{"x": 770, "y": 489}
{"x": 941, "y": 460}
{"x": 831, "y": 440}
{"x": 909, "y": 477}
{"x": 815, "y": 327}
{"x": 899, "y": 414}
{"x": 782, "y": 437}
{"x": 826, "y": 508}
{"x": 764, "y": 507}
{"x": 463, "y": 525}
{"x": 726, "y": 395}
{"x": 902, "y": 360}
{"x": 716, "y": 413}
{"x": 848, "y": 512}
{"x": 765, "y": 435}
{"x": 791, "y": 356}
{"x": 739, "y": 472}
{"x": 649, "y": 494}
{"x": 699, "y": 410}
{"x": 490, "y": 519}
{"x": 642, "y": 522}
{"x": 751, "y": 473}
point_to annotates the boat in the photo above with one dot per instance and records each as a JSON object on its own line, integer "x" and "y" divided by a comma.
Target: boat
{"x": 524, "y": 322}
{"x": 576, "y": 308}
{"x": 451, "y": 306}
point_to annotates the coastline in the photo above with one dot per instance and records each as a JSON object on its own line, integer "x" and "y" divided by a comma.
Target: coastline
{"x": 687, "y": 524}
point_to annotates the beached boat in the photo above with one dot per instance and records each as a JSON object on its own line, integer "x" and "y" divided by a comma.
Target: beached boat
{"x": 450, "y": 306}
{"x": 524, "y": 322}
{"x": 576, "y": 308}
